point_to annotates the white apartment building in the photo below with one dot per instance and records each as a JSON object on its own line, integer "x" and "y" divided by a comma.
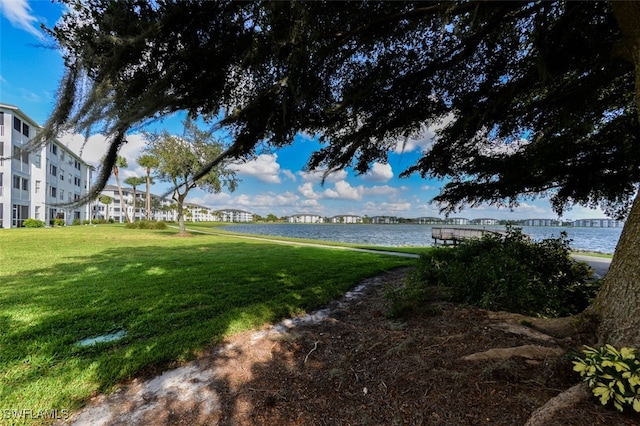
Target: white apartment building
{"x": 135, "y": 211}
{"x": 346, "y": 218}
{"x": 306, "y": 218}
{"x": 38, "y": 184}
{"x": 599, "y": 223}
{"x": 233, "y": 215}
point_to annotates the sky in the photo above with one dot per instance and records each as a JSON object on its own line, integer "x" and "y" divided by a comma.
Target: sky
{"x": 272, "y": 183}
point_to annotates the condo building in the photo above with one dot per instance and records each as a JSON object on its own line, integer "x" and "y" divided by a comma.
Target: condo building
{"x": 38, "y": 183}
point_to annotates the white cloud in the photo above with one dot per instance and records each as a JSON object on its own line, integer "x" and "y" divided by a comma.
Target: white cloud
{"x": 18, "y": 12}
{"x": 384, "y": 209}
{"x": 289, "y": 174}
{"x": 316, "y": 176}
{"x": 379, "y": 173}
{"x": 342, "y": 190}
{"x": 265, "y": 168}
{"x": 310, "y": 206}
{"x": 425, "y": 140}
{"x": 306, "y": 189}
{"x": 381, "y": 190}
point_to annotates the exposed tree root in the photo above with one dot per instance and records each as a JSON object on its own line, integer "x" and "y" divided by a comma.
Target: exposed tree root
{"x": 525, "y": 351}
{"x": 545, "y": 415}
{"x": 560, "y": 328}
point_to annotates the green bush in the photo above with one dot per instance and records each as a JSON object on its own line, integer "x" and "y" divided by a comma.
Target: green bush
{"x": 613, "y": 375}
{"x": 33, "y": 223}
{"x": 146, "y": 224}
{"x": 505, "y": 273}
{"x": 59, "y": 222}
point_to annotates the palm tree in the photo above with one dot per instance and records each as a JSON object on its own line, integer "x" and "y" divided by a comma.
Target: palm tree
{"x": 106, "y": 200}
{"x": 120, "y": 162}
{"x": 134, "y": 181}
{"x": 150, "y": 162}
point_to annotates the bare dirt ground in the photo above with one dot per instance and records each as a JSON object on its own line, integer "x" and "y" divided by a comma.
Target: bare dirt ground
{"x": 350, "y": 365}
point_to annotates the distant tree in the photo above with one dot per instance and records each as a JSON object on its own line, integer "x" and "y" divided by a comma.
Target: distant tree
{"x": 180, "y": 158}
{"x": 271, "y": 218}
{"x": 106, "y": 200}
{"x": 134, "y": 182}
{"x": 149, "y": 163}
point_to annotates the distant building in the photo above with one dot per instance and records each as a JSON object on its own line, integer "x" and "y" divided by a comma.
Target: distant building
{"x": 456, "y": 221}
{"x": 541, "y": 222}
{"x": 38, "y": 183}
{"x": 306, "y": 218}
{"x": 385, "y": 220}
{"x": 234, "y": 215}
{"x": 427, "y": 221}
{"x": 485, "y": 221}
{"x": 598, "y": 223}
{"x": 347, "y": 218}
{"x": 161, "y": 208}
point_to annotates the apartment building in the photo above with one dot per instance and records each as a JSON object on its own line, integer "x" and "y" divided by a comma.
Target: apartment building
{"x": 306, "y": 218}
{"x": 234, "y": 215}
{"x": 111, "y": 207}
{"x": 346, "y": 218}
{"x": 40, "y": 184}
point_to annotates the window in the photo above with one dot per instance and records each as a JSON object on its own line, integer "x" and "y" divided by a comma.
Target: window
{"x": 77, "y": 165}
{"x": 1, "y": 118}
{"x": 53, "y": 170}
{"x": 25, "y": 184}
{"x": 37, "y": 188}
{"x": 16, "y": 182}
{"x": 53, "y": 192}
{"x": 17, "y": 124}
{"x": 61, "y": 174}
{"x": 25, "y": 129}
{"x": 53, "y": 148}
{"x": 76, "y": 181}
{"x": 38, "y": 160}
{"x": 1, "y": 149}
{"x": 20, "y": 213}
{"x": 62, "y": 194}
{"x": 25, "y": 157}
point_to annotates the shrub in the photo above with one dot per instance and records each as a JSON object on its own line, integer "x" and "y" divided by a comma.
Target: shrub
{"x": 612, "y": 375}
{"x": 59, "y": 222}
{"x": 33, "y": 223}
{"x": 76, "y": 222}
{"x": 146, "y": 224}
{"x": 507, "y": 273}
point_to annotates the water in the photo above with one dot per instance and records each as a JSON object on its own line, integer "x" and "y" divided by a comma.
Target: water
{"x": 601, "y": 240}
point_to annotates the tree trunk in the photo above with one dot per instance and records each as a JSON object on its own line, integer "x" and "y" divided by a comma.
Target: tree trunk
{"x": 617, "y": 305}
{"x": 148, "y": 199}
{"x": 123, "y": 207}
{"x": 618, "y": 302}
{"x": 180, "y": 202}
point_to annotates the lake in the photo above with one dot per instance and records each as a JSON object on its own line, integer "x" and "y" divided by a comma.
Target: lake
{"x": 601, "y": 240}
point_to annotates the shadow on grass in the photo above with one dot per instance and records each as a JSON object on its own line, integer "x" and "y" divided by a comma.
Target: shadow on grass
{"x": 172, "y": 302}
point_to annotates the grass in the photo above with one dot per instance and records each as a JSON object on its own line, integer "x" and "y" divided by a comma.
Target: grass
{"x": 173, "y": 297}
{"x": 210, "y": 227}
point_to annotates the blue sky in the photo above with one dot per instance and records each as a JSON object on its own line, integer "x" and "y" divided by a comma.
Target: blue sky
{"x": 272, "y": 183}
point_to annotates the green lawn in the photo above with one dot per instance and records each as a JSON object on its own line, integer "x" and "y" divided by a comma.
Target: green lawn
{"x": 172, "y": 296}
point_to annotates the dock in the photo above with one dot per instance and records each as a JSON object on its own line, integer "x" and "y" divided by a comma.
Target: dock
{"x": 456, "y": 235}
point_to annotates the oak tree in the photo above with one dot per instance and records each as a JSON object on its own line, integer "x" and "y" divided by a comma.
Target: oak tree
{"x": 532, "y": 98}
